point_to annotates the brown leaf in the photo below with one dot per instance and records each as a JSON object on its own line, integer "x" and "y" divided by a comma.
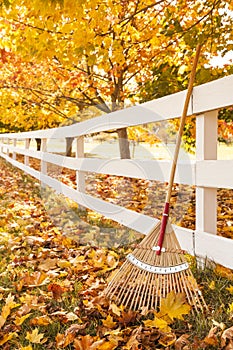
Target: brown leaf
{"x": 211, "y": 338}
{"x": 133, "y": 343}
{"x": 182, "y": 342}
{"x": 227, "y": 339}
{"x": 167, "y": 339}
{"x": 127, "y": 317}
{"x": 56, "y": 290}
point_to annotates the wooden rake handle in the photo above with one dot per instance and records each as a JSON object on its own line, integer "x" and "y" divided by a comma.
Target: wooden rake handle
{"x": 176, "y": 153}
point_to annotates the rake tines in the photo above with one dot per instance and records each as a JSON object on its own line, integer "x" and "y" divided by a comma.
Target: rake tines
{"x": 146, "y": 278}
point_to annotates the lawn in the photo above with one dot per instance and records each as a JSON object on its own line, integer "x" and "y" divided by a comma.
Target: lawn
{"x": 51, "y": 290}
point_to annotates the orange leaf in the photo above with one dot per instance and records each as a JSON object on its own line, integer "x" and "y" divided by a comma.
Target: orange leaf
{"x": 83, "y": 343}
{"x": 41, "y": 321}
{"x": 63, "y": 340}
{"x": 57, "y": 290}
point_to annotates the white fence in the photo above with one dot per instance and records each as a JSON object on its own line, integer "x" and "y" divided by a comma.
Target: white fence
{"x": 205, "y": 172}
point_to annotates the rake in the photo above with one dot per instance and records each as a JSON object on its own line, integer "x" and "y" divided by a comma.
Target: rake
{"x": 158, "y": 265}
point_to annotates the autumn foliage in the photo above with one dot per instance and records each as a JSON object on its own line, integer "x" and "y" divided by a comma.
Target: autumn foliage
{"x": 52, "y": 288}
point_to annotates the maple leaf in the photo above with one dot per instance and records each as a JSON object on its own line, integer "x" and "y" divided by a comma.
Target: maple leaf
{"x": 167, "y": 339}
{"x": 63, "y": 340}
{"x": 157, "y": 323}
{"x": 56, "y": 290}
{"x": 83, "y": 342}
{"x": 109, "y": 323}
{"x": 212, "y": 337}
{"x": 35, "y": 337}
{"x": 133, "y": 343}
{"x": 7, "y": 337}
{"x": 127, "y": 317}
{"x": 41, "y": 321}
{"x": 6, "y": 310}
{"x": 230, "y": 289}
{"x": 174, "y": 306}
{"x": 19, "y": 320}
{"x": 115, "y": 309}
{"x": 227, "y": 337}
{"x": 182, "y": 341}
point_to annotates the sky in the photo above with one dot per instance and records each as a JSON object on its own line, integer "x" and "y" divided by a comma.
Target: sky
{"x": 220, "y": 61}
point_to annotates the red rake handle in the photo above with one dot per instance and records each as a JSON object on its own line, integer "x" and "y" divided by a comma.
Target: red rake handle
{"x": 163, "y": 227}
{"x": 176, "y": 153}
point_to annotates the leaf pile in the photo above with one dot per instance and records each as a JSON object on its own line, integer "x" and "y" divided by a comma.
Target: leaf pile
{"x": 147, "y": 197}
{"x": 51, "y": 290}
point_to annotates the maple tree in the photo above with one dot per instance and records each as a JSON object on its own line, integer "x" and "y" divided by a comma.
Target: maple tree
{"x": 102, "y": 50}
{"x": 170, "y": 78}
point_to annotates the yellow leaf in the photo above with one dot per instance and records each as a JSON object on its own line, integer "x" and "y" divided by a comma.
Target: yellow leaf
{"x": 230, "y": 289}
{"x": 230, "y": 309}
{"x": 19, "y": 320}
{"x": 212, "y": 285}
{"x": 63, "y": 264}
{"x": 41, "y": 321}
{"x": 26, "y": 348}
{"x": 35, "y": 337}
{"x": 109, "y": 323}
{"x": 157, "y": 323}
{"x": 7, "y": 337}
{"x": 174, "y": 306}
{"x": 115, "y": 309}
{"x": 104, "y": 345}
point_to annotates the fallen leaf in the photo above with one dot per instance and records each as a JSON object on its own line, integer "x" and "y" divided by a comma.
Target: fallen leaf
{"x": 174, "y": 306}
{"x": 83, "y": 342}
{"x": 41, "y": 321}
{"x": 35, "y": 337}
{"x": 182, "y": 341}
{"x": 8, "y": 337}
{"x": 115, "y": 309}
{"x": 157, "y": 323}
{"x": 19, "y": 320}
{"x": 109, "y": 323}
{"x": 63, "y": 340}
{"x": 227, "y": 339}
{"x": 167, "y": 339}
{"x": 56, "y": 290}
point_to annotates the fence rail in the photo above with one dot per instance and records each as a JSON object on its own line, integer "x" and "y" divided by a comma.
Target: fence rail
{"x": 206, "y": 172}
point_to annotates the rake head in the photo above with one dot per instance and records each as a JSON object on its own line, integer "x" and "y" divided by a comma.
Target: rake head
{"x": 146, "y": 278}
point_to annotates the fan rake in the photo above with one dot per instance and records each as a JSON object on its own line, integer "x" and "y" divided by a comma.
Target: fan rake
{"x": 158, "y": 265}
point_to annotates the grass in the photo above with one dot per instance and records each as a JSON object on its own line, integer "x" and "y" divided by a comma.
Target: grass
{"x": 83, "y": 283}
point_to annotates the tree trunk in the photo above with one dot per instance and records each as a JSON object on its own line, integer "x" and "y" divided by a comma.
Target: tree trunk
{"x": 69, "y": 142}
{"x": 123, "y": 143}
{"x": 38, "y": 144}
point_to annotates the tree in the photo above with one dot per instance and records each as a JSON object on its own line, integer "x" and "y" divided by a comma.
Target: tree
{"x": 107, "y": 48}
{"x": 170, "y": 78}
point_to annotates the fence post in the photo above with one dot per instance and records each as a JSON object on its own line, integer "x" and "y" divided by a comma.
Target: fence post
{"x": 80, "y": 175}
{"x": 14, "y": 153}
{"x": 8, "y": 150}
{"x": 26, "y": 158}
{"x": 206, "y": 149}
{"x": 43, "y": 165}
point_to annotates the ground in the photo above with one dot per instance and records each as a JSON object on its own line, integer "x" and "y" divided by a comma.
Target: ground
{"x": 51, "y": 289}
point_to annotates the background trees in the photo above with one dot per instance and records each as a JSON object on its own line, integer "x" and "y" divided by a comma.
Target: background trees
{"x": 75, "y": 54}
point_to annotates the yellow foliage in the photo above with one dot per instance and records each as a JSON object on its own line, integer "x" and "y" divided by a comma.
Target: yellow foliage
{"x": 174, "y": 306}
